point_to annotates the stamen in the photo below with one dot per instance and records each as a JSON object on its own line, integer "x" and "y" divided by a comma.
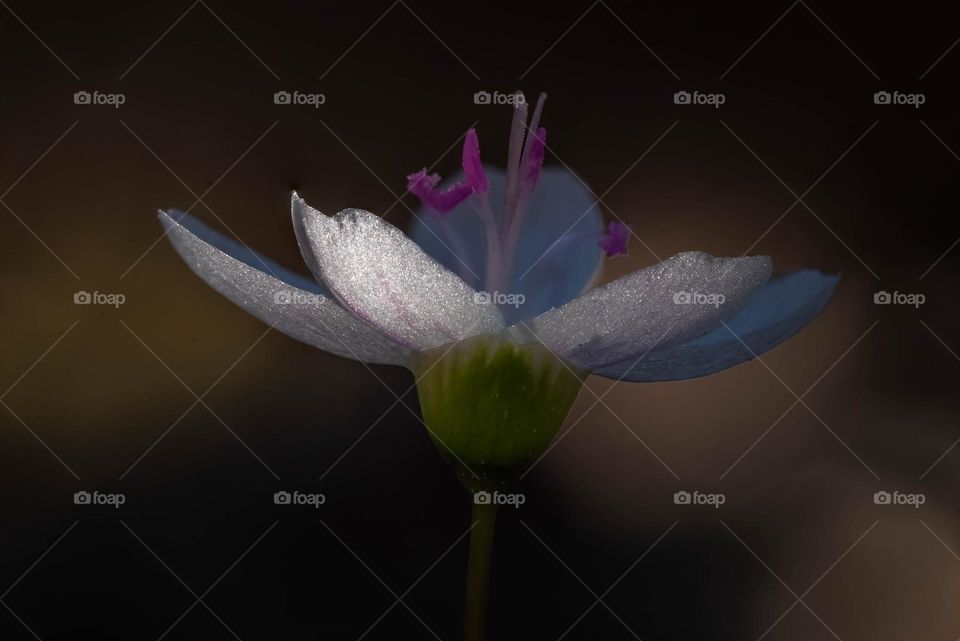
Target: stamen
{"x": 493, "y": 276}
{"x": 516, "y": 201}
{"x": 472, "y": 166}
{"x": 614, "y": 242}
{"x": 533, "y": 160}
{"x": 518, "y": 130}
{"x": 534, "y": 122}
{"x": 424, "y": 186}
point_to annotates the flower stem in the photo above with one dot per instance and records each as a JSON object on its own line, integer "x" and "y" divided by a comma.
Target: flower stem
{"x": 483, "y": 517}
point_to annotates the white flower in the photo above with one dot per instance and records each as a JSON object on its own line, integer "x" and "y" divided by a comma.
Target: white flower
{"x": 379, "y": 297}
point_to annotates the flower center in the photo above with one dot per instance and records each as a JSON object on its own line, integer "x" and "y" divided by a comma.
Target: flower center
{"x": 503, "y": 221}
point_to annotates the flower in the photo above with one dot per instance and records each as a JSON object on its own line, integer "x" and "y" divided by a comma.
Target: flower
{"x": 489, "y": 303}
{"x": 492, "y": 293}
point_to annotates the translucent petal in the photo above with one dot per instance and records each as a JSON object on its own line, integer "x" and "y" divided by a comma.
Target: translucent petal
{"x": 383, "y": 277}
{"x": 660, "y": 306}
{"x": 298, "y": 306}
{"x": 777, "y": 311}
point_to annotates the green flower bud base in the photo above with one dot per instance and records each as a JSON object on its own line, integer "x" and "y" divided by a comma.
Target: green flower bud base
{"x": 492, "y": 406}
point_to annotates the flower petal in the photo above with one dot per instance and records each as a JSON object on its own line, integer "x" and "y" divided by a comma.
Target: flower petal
{"x": 383, "y": 277}
{"x": 777, "y": 311}
{"x": 298, "y": 306}
{"x": 665, "y": 304}
{"x": 559, "y": 207}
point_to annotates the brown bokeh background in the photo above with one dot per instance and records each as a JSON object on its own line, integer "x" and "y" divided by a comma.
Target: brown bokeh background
{"x": 112, "y": 406}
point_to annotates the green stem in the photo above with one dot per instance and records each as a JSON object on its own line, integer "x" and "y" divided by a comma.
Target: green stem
{"x": 483, "y": 517}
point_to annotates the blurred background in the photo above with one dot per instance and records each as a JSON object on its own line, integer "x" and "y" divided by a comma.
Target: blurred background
{"x": 197, "y": 415}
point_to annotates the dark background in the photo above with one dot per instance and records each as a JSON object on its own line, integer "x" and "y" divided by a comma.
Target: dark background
{"x": 97, "y": 398}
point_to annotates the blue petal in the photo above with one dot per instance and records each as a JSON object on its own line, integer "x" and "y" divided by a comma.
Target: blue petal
{"x": 777, "y": 311}
{"x": 560, "y": 206}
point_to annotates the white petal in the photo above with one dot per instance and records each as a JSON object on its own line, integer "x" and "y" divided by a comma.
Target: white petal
{"x": 299, "y": 306}
{"x": 662, "y": 305}
{"x": 383, "y": 277}
{"x": 298, "y": 211}
{"x": 774, "y": 313}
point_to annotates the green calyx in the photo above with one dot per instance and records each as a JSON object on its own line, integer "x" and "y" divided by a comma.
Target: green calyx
{"x": 492, "y": 406}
